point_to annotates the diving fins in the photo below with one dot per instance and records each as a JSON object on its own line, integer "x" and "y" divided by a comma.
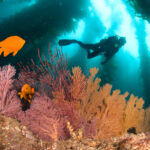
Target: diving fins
{"x": 65, "y": 42}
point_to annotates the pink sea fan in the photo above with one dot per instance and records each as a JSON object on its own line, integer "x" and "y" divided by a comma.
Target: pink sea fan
{"x": 47, "y": 119}
{"x": 68, "y": 111}
{"x": 6, "y": 80}
{"x": 50, "y": 74}
{"x": 9, "y": 102}
{"x": 44, "y": 119}
{"x": 89, "y": 128}
{"x": 12, "y": 106}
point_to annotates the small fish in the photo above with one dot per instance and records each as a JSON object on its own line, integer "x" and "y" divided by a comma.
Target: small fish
{"x": 11, "y": 44}
{"x": 26, "y": 92}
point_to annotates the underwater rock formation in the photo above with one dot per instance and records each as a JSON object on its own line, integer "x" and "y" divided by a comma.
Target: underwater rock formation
{"x": 15, "y": 135}
{"x": 142, "y": 8}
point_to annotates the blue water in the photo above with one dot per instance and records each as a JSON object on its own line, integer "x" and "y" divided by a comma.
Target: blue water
{"x": 41, "y": 21}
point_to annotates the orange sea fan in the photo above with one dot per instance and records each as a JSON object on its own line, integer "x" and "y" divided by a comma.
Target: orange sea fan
{"x": 115, "y": 114}
{"x": 77, "y": 87}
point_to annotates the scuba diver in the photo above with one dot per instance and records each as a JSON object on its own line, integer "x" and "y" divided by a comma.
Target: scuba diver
{"x": 107, "y": 47}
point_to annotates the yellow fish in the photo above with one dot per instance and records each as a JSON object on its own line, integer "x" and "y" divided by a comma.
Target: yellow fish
{"x": 11, "y": 44}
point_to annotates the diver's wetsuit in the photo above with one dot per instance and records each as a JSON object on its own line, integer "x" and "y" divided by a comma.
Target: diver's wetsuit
{"x": 108, "y": 47}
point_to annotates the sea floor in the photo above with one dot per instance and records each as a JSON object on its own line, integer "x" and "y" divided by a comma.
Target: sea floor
{"x": 14, "y": 136}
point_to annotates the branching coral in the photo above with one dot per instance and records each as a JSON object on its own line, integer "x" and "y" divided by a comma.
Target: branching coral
{"x": 78, "y": 99}
{"x": 115, "y": 115}
{"x": 134, "y": 114}
{"x": 90, "y": 106}
{"x": 77, "y": 88}
{"x": 49, "y": 75}
{"x": 43, "y": 118}
{"x": 9, "y": 102}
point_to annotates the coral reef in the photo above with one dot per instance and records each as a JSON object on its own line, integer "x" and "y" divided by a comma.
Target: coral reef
{"x": 98, "y": 102}
{"x": 92, "y": 108}
{"x": 13, "y": 135}
{"x": 76, "y": 103}
{"x": 9, "y": 102}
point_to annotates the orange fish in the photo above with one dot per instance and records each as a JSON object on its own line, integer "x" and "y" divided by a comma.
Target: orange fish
{"x": 26, "y": 92}
{"x": 11, "y": 44}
